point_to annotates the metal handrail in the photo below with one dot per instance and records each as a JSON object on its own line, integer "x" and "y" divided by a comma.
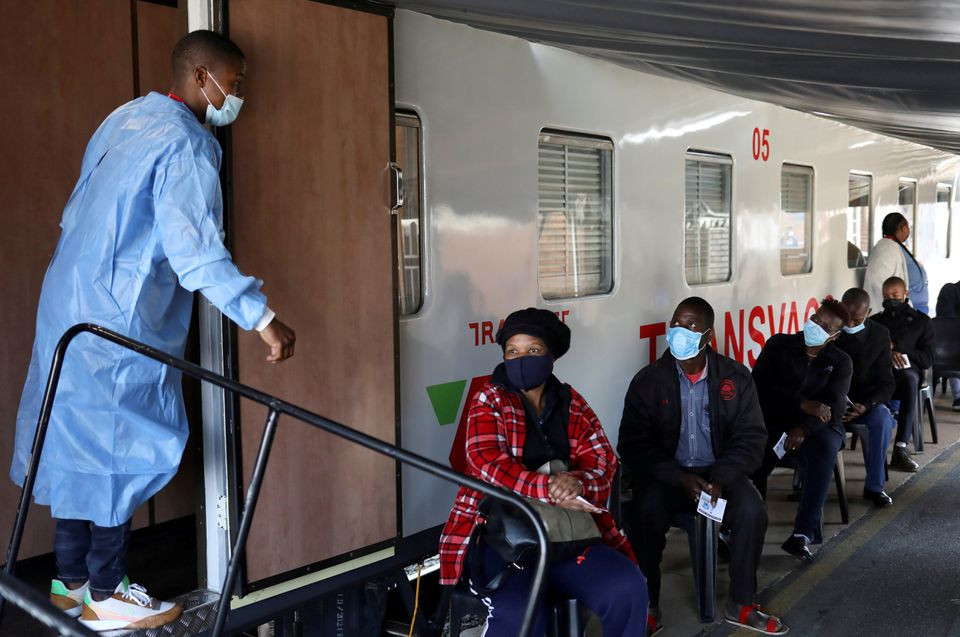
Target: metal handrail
{"x": 40, "y": 607}
{"x": 275, "y": 408}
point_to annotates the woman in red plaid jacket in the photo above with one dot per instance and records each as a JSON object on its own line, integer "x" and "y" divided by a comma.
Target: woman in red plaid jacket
{"x": 521, "y": 420}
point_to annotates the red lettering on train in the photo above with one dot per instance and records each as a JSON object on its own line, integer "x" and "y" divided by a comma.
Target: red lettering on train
{"x": 484, "y": 334}
{"x": 756, "y": 314}
{"x": 734, "y": 344}
{"x": 733, "y": 338}
{"x": 651, "y": 332}
{"x": 793, "y": 323}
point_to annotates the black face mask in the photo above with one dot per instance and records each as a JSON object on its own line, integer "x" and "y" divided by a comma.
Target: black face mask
{"x": 893, "y": 305}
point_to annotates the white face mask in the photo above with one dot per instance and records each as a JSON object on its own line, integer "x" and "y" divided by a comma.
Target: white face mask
{"x": 226, "y": 114}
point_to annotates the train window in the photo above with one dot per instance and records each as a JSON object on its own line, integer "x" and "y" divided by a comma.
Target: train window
{"x": 907, "y": 197}
{"x": 409, "y": 244}
{"x": 575, "y": 215}
{"x": 796, "y": 219}
{"x": 859, "y": 215}
{"x": 942, "y": 225}
{"x": 706, "y": 218}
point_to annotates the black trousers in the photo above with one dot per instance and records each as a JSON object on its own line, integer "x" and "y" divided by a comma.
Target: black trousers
{"x": 908, "y": 383}
{"x": 745, "y": 517}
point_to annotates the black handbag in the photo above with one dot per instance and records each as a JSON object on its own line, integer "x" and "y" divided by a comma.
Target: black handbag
{"x": 509, "y": 533}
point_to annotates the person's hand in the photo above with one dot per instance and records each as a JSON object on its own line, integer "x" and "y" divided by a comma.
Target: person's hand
{"x": 816, "y": 409}
{"x": 692, "y": 484}
{"x": 899, "y": 360}
{"x": 574, "y": 504}
{"x": 854, "y": 411}
{"x": 280, "y": 339}
{"x": 715, "y": 493}
{"x": 795, "y": 438}
{"x": 563, "y": 486}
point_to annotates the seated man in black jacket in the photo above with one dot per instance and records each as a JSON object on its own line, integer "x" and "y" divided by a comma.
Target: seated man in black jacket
{"x": 867, "y": 343}
{"x": 802, "y": 382}
{"x": 691, "y": 424}
{"x": 911, "y": 336}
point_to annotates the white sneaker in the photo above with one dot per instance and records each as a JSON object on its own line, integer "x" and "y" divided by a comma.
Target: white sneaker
{"x": 69, "y": 601}
{"x": 129, "y": 607}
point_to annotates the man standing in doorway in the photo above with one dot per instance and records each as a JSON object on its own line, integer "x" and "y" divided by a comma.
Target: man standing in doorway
{"x": 140, "y": 233}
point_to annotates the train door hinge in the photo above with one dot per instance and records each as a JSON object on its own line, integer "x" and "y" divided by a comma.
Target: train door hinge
{"x": 223, "y": 509}
{"x": 396, "y": 187}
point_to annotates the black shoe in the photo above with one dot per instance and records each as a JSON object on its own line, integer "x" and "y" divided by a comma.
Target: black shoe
{"x": 879, "y": 498}
{"x": 956, "y": 404}
{"x": 796, "y": 545}
{"x": 901, "y": 461}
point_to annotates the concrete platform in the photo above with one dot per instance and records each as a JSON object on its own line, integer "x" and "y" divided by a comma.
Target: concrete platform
{"x": 678, "y": 598}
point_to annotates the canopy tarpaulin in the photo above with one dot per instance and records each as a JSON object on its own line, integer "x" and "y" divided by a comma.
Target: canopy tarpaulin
{"x": 890, "y": 66}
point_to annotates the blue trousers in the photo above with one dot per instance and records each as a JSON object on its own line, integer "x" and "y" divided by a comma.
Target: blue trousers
{"x": 818, "y": 456}
{"x": 880, "y": 425}
{"x": 908, "y": 382}
{"x": 606, "y": 582}
{"x": 87, "y": 551}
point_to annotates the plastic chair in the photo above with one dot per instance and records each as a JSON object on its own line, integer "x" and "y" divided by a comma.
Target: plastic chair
{"x": 924, "y": 404}
{"x": 839, "y": 479}
{"x": 946, "y": 353}
{"x": 702, "y": 537}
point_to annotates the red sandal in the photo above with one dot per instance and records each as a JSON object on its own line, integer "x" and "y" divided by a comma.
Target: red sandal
{"x": 762, "y": 622}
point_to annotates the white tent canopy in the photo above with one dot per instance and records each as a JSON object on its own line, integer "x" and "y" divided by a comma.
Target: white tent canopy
{"x": 890, "y": 66}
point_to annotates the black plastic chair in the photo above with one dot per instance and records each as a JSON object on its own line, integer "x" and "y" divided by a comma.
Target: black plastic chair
{"x": 946, "y": 353}
{"x": 924, "y": 404}
{"x": 702, "y": 537}
{"x": 839, "y": 479}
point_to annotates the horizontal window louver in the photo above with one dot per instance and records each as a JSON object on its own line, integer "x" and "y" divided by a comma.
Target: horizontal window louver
{"x": 796, "y": 219}
{"x": 707, "y": 252}
{"x": 574, "y": 217}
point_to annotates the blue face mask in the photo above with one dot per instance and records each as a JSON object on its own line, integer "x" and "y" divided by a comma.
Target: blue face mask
{"x": 854, "y": 330}
{"x": 528, "y": 372}
{"x": 226, "y": 114}
{"x": 684, "y": 344}
{"x": 813, "y": 334}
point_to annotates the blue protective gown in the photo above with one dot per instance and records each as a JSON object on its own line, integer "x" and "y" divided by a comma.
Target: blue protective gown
{"x": 140, "y": 233}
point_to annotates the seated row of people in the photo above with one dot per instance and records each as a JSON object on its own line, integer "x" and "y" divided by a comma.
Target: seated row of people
{"x": 693, "y": 422}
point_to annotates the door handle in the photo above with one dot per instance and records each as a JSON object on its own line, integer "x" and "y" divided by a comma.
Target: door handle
{"x": 396, "y": 187}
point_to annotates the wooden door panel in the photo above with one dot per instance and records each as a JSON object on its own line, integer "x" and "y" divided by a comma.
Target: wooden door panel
{"x": 311, "y": 217}
{"x": 66, "y": 66}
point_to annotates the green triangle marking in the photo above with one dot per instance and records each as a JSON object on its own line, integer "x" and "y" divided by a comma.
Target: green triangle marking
{"x": 446, "y": 400}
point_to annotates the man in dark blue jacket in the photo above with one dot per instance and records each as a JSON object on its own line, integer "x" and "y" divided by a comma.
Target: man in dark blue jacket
{"x": 691, "y": 424}
{"x": 802, "y": 382}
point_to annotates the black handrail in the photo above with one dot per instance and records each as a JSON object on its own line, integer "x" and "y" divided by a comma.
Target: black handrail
{"x": 275, "y": 408}
{"x": 40, "y": 607}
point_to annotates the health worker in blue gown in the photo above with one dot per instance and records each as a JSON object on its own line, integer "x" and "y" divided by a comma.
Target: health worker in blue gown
{"x": 141, "y": 233}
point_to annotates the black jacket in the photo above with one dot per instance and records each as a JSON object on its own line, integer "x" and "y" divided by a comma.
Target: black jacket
{"x": 650, "y": 428}
{"x": 785, "y": 375}
{"x": 912, "y": 334}
{"x": 872, "y": 382}
{"x": 948, "y": 301}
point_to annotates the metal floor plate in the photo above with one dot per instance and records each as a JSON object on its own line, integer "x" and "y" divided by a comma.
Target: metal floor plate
{"x": 199, "y": 613}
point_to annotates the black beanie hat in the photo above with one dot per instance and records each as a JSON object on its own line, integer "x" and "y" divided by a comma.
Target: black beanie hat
{"x": 543, "y": 324}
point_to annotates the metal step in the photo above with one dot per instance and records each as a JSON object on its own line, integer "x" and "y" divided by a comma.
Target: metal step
{"x": 199, "y": 613}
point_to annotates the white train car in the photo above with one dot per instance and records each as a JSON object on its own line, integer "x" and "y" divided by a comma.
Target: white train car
{"x": 540, "y": 177}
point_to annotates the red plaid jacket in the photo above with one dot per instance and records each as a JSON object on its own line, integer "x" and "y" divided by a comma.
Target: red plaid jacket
{"x": 496, "y": 430}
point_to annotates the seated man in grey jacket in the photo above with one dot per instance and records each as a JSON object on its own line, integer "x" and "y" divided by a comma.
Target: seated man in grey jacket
{"x": 692, "y": 424}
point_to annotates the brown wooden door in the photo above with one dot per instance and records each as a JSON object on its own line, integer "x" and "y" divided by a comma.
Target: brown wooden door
{"x": 311, "y": 217}
{"x": 64, "y": 66}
